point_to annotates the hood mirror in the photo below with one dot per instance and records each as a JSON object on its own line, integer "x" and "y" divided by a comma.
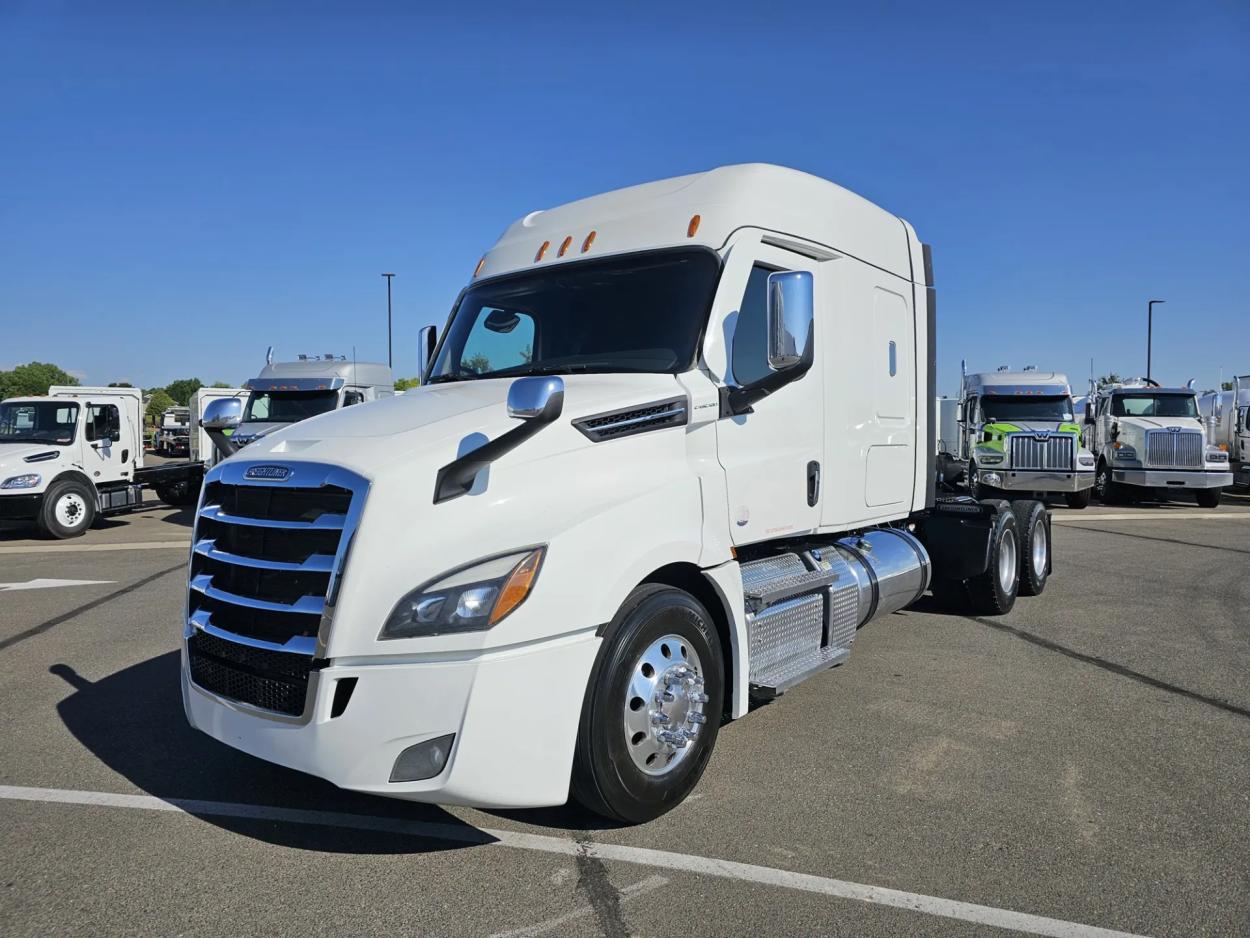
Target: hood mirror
{"x": 538, "y": 398}
{"x": 426, "y": 341}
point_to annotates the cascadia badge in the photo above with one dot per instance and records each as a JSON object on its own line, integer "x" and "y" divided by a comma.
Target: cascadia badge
{"x": 268, "y": 473}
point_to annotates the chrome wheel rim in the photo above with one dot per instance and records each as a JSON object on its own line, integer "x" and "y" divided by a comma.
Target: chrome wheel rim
{"x": 71, "y": 509}
{"x": 663, "y": 709}
{"x": 1007, "y": 569}
{"x": 1040, "y": 546}
{"x": 1100, "y": 482}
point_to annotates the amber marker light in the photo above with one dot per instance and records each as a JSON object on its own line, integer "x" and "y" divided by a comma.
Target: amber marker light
{"x": 590, "y": 239}
{"x": 542, "y": 251}
{"x": 564, "y": 246}
{"x": 518, "y": 584}
{"x": 693, "y": 226}
{"x": 478, "y": 269}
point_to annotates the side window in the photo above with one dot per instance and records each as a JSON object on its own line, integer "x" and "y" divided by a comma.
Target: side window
{"x": 501, "y": 338}
{"x": 749, "y": 359}
{"x": 258, "y": 407}
{"x": 106, "y": 421}
{"x": 352, "y": 397}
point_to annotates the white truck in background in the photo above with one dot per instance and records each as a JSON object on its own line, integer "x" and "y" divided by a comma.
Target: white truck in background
{"x": 675, "y": 445}
{"x": 75, "y": 454}
{"x": 172, "y": 435}
{"x": 1016, "y": 434}
{"x": 1151, "y": 440}
{"x": 288, "y": 392}
{"x": 1228, "y": 415}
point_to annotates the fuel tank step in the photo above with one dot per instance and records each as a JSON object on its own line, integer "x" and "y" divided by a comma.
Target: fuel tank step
{"x": 774, "y": 579}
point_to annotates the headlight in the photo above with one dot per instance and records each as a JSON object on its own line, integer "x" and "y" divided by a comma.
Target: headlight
{"x": 988, "y": 459}
{"x": 28, "y": 481}
{"x": 1214, "y": 454}
{"x": 1086, "y": 459}
{"x": 1125, "y": 453}
{"x": 471, "y": 599}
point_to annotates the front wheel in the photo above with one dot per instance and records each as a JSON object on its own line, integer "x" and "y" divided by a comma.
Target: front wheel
{"x": 1109, "y": 491}
{"x": 652, "y": 708}
{"x": 1209, "y": 498}
{"x": 68, "y": 509}
{"x": 1079, "y": 499}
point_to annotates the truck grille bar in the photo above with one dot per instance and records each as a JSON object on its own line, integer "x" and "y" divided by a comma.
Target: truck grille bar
{"x": 267, "y": 557}
{"x": 1032, "y": 452}
{"x": 1179, "y": 450}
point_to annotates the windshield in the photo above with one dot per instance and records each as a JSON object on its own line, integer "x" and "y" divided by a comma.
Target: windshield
{"x": 638, "y": 313}
{"x": 288, "y": 406}
{"x": 1017, "y": 407}
{"x": 38, "y": 422}
{"x": 1154, "y": 405}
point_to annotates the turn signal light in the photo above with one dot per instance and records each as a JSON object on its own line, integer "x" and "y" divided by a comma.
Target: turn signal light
{"x": 541, "y": 251}
{"x": 590, "y": 239}
{"x": 478, "y": 269}
{"x": 517, "y": 586}
{"x": 564, "y": 246}
{"x": 693, "y": 226}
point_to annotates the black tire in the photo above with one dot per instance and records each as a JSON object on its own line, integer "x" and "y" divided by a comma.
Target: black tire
{"x": 1035, "y": 546}
{"x": 1209, "y": 498}
{"x": 606, "y": 779}
{"x": 68, "y": 509}
{"x": 1109, "y": 491}
{"x": 994, "y": 592}
{"x": 1079, "y": 499}
{"x": 179, "y": 494}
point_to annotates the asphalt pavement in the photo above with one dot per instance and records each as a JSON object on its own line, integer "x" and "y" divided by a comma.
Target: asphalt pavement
{"x": 1082, "y": 763}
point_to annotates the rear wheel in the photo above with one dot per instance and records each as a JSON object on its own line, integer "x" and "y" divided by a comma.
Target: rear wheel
{"x": 1209, "y": 498}
{"x": 68, "y": 509}
{"x": 1079, "y": 499}
{"x": 1034, "y": 546}
{"x": 994, "y": 591}
{"x": 652, "y": 707}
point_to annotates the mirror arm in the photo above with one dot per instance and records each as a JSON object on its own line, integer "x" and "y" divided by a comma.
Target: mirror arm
{"x": 735, "y": 401}
{"x": 456, "y": 478}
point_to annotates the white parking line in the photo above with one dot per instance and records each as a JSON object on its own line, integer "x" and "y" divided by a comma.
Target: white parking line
{"x": 182, "y": 543}
{"x": 660, "y": 859}
{"x": 1154, "y": 516}
{"x": 650, "y": 884}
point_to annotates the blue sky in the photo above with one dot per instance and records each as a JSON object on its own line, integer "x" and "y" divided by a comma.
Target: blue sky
{"x": 185, "y": 184}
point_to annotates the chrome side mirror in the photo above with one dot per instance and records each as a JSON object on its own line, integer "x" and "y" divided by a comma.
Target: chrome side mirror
{"x": 538, "y": 398}
{"x": 427, "y": 338}
{"x": 791, "y": 312}
{"x": 225, "y": 413}
{"x": 959, "y": 412}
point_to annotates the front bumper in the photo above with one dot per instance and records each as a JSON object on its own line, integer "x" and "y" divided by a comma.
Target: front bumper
{"x": 1036, "y": 480}
{"x": 20, "y": 507}
{"x": 514, "y": 712}
{"x": 1174, "y": 478}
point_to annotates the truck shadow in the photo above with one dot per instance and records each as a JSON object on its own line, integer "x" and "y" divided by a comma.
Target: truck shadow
{"x": 133, "y": 722}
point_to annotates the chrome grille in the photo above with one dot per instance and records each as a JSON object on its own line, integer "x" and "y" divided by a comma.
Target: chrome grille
{"x": 266, "y": 559}
{"x": 1052, "y": 452}
{"x": 1168, "y": 450}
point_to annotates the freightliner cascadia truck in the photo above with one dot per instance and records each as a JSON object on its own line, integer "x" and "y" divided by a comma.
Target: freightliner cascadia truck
{"x": 1152, "y": 441}
{"x": 1017, "y": 434}
{"x": 675, "y": 445}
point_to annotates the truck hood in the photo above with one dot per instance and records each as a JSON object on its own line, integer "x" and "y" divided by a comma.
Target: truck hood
{"x": 1033, "y": 426}
{"x": 434, "y": 424}
{"x": 20, "y": 458}
{"x": 1160, "y": 423}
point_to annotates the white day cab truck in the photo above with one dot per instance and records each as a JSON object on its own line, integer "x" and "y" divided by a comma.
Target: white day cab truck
{"x": 1152, "y": 441}
{"x": 674, "y": 446}
{"x": 288, "y": 392}
{"x": 1228, "y": 414}
{"x": 76, "y": 454}
{"x": 1017, "y": 435}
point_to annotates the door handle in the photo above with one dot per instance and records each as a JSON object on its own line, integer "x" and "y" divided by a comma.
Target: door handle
{"x": 813, "y": 483}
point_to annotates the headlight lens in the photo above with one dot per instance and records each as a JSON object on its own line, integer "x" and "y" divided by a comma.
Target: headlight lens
{"x": 471, "y": 599}
{"x": 1086, "y": 459}
{"x": 27, "y": 481}
{"x": 1125, "y": 452}
{"x": 1214, "y": 454}
{"x": 989, "y": 459}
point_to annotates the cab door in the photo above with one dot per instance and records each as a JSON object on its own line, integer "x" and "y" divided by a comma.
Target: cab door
{"x": 105, "y": 455}
{"x": 772, "y": 456}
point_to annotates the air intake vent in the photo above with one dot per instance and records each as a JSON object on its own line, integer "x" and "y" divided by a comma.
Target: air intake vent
{"x": 617, "y": 423}
{"x": 41, "y": 457}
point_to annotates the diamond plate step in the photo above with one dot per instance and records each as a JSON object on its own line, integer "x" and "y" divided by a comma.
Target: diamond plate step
{"x": 775, "y": 579}
{"x": 776, "y": 680}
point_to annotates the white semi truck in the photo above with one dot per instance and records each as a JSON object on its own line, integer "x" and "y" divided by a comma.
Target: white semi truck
{"x": 1151, "y": 440}
{"x": 675, "y": 445}
{"x": 288, "y": 392}
{"x": 77, "y": 453}
{"x": 1017, "y": 434}
{"x": 1228, "y": 415}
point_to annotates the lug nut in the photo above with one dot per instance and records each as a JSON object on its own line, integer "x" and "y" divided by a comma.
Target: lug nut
{"x": 659, "y": 719}
{"x": 696, "y": 718}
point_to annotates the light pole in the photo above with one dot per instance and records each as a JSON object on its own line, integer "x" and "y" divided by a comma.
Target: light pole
{"x": 389, "y": 362}
{"x": 1150, "y": 311}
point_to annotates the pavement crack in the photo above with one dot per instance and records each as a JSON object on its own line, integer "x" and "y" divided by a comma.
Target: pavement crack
{"x": 1147, "y": 537}
{"x": 86, "y": 607}
{"x": 1114, "y": 668}
{"x": 593, "y": 882}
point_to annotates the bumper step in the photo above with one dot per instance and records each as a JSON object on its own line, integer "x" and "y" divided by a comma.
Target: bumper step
{"x": 774, "y": 681}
